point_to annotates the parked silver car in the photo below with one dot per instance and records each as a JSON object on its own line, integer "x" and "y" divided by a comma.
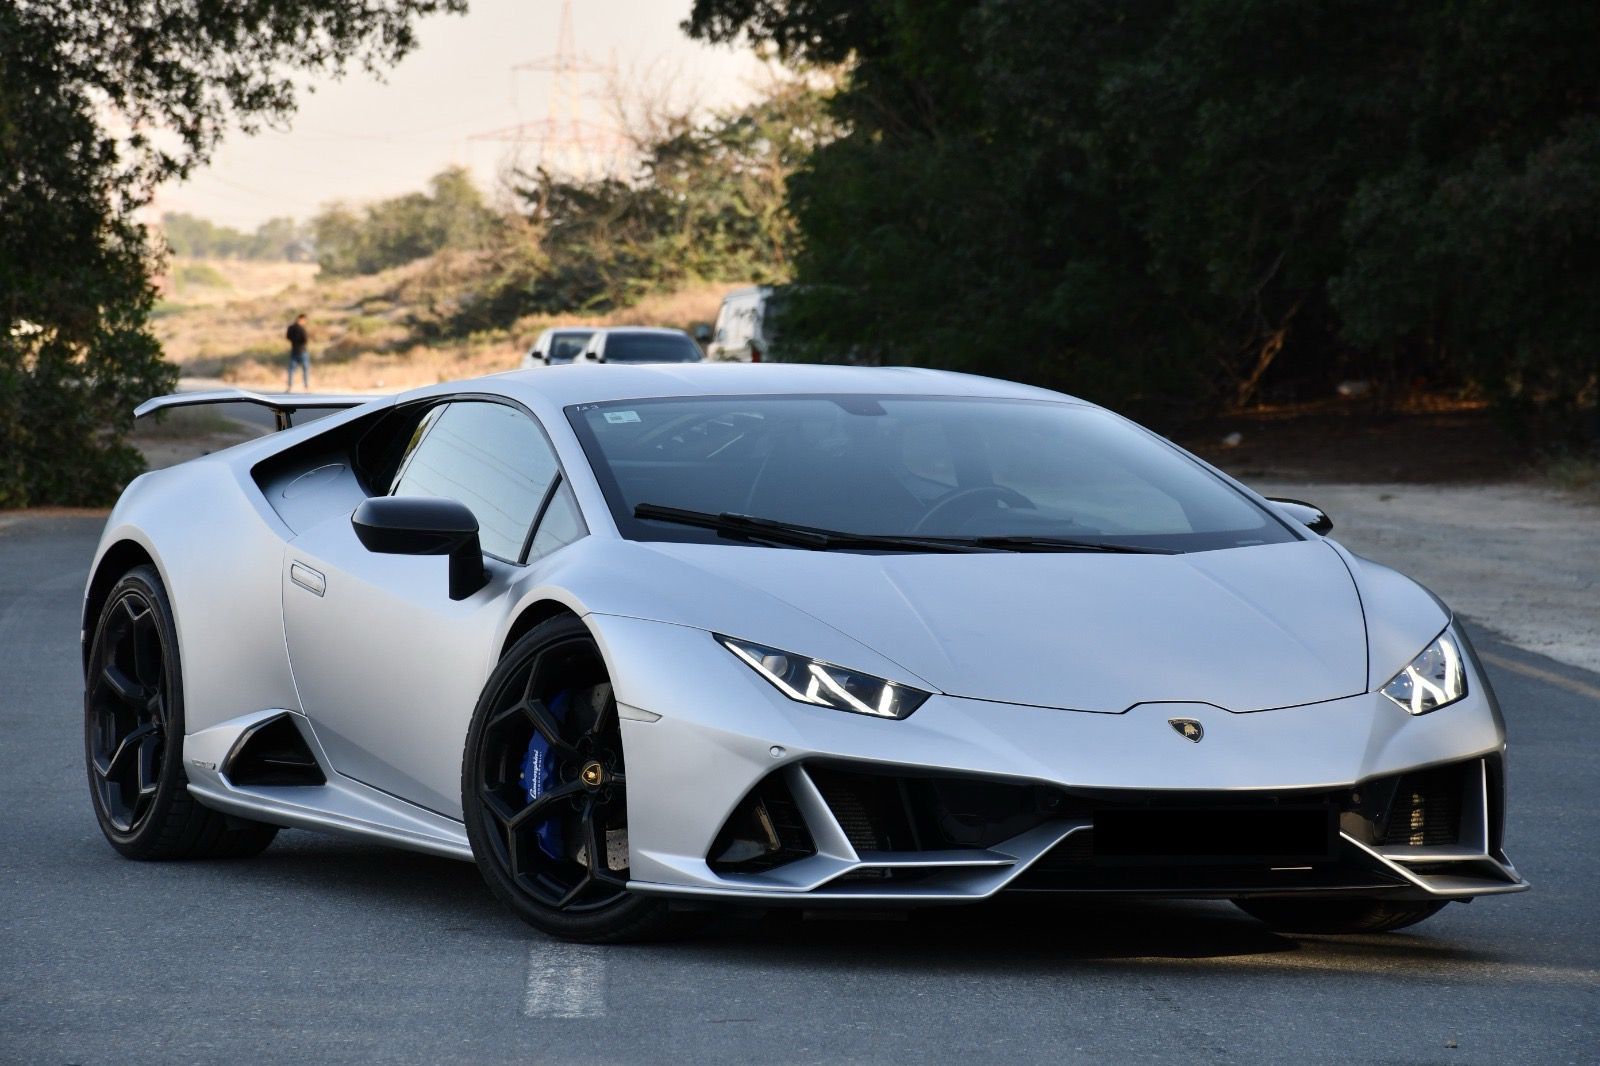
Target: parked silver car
{"x": 641, "y": 344}
{"x": 558, "y": 345}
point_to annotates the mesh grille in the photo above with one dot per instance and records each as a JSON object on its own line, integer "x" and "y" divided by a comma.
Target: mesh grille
{"x": 848, "y": 807}
{"x": 1426, "y": 809}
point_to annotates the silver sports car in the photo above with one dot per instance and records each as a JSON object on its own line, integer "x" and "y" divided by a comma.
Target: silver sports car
{"x": 639, "y": 640}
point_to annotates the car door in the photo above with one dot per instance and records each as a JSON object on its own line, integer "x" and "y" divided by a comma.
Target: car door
{"x": 388, "y": 667}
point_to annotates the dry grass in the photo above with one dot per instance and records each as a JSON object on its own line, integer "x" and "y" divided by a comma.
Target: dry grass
{"x": 360, "y": 338}
{"x": 242, "y": 280}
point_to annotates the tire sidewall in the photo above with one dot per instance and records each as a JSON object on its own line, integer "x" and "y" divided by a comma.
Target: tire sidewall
{"x": 144, "y": 836}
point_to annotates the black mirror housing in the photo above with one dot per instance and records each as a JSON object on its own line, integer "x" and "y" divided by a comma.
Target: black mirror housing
{"x": 425, "y": 525}
{"x": 1309, "y": 515}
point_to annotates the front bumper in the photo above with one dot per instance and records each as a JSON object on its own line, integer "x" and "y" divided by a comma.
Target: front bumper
{"x": 706, "y": 738}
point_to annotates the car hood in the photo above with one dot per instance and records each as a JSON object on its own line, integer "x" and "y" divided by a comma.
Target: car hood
{"x": 1243, "y": 629}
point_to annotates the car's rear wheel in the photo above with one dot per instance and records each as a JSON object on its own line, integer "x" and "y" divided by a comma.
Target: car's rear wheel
{"x": 133, "y": 736}
{"x": 1338, "y": 915}
{"x": 543, "y": 791}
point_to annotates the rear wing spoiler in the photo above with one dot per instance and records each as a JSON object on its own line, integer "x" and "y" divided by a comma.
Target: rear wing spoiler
{"x": 283, "y": 405}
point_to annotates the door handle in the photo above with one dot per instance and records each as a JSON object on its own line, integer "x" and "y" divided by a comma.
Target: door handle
{"x": 310, "y": 580}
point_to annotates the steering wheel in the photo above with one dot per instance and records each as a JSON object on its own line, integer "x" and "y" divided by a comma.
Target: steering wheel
{"x": 971, "y": 500}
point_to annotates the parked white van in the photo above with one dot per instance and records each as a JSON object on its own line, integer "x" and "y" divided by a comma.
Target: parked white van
{"x": 743, "y": 332}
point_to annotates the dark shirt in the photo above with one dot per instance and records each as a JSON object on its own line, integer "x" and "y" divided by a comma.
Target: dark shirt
{"x": 297, "y": 337}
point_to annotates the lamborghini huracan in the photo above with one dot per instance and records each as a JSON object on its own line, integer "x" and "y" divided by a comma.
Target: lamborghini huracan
{"x": 641, "y": 641}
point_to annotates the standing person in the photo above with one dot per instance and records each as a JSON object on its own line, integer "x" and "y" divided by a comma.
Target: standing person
{"x": 299, "y": 354}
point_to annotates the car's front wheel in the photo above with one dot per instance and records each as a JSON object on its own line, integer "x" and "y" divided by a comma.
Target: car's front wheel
{"x": 544, "y": 791}
{"x": 1338, "y": 915}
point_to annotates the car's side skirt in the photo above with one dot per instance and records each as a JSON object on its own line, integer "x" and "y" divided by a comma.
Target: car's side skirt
{"x": 340, "y": 805}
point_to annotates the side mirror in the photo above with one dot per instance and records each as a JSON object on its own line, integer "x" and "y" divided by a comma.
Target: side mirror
{"x": 1309, "y": 515}
{"x": 702, "y": 333}
{"x": 425, "y": 525}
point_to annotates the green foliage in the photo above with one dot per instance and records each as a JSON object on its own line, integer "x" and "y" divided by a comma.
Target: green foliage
{"x": 708, "y": 203}
{"x": 75, "y": 353}
{"x": 1193, "y": 201}
{"x": 390, "y": 233}
{"x": 199, "y": 238}
{"x": 74, "y": 358}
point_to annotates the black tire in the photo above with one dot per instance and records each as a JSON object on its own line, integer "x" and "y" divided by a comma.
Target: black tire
{"x": 1339, "y": 916}
{"x": 133, "y": 736}
{"x": 543, "y": 857}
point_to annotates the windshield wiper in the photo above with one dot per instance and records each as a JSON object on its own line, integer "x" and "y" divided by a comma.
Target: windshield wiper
{"x": 1057, "y": 544}
{"x": 784, "y": 534}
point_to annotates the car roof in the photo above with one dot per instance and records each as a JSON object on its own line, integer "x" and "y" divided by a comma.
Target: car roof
{"x": 654, "y": 330}
{"x": 577, "y": 383}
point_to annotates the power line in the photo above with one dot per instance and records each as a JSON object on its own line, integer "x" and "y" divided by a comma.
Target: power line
{"x": 565, "y": 141}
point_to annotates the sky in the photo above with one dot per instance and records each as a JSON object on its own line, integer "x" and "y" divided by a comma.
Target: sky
{"x": 360, "y": 139}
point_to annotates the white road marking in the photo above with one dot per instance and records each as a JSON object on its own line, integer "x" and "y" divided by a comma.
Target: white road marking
{"x": 565, "y": 981}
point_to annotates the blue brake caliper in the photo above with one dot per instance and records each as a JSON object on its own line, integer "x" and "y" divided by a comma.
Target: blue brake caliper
{"x": 539, "y": 774}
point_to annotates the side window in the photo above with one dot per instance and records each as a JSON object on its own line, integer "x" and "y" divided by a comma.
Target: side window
{"x": 489, "y": 456}
{"x": 561, "y": 525}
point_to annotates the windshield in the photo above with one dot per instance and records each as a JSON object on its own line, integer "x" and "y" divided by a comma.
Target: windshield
{"x": 651, "y": 348}
{"x": 926, "y": 467}
{"x": 565, "y": 347}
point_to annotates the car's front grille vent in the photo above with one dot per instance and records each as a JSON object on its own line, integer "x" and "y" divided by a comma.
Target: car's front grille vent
{"x": 870, "y": 808}
{"x": 1073, "y": 853}
{"x": 765, "y": 830}
{"x": 848, "y": 802}
{"x": 1427, "y": 809}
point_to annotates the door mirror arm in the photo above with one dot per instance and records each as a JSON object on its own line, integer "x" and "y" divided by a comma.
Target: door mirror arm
{"x": 425, "y": 525}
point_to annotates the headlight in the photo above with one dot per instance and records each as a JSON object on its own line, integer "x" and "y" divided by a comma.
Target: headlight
{"x": 1436, "y": 678}
{"x": 826, "y": 685}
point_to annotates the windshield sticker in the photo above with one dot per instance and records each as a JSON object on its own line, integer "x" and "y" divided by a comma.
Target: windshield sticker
{"x": 615, "y": 417}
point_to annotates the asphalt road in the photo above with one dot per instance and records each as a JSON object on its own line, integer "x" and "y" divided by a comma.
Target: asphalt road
{"x": 324, "y": 950}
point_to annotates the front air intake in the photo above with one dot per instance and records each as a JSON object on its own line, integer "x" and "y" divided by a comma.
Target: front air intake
{"x": 765, "y": 830}
{"x": 1426, "y": 809}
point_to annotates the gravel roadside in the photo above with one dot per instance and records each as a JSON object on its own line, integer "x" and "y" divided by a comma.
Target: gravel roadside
{"x": 1521, "y": 559}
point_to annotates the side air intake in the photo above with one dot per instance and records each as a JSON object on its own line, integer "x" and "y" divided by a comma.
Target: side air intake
{"x": 273, "y": 752}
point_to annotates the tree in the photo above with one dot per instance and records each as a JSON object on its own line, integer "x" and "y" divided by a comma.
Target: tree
{"x": 75, "y": 354}
{"x": 1190, "y": 201}
{"x": 276, "y": 238}
{"x": 452, "y": 214}
{"x": 706, "y": 203}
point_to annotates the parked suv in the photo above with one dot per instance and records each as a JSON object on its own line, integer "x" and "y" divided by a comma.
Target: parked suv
{"x": 556, "y": 346}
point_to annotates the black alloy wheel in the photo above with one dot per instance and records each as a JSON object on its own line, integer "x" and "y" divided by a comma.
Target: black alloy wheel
{"x": 133, "y": 736}
{"x": 127, "y": 715}
{"x": 544, "y": 791}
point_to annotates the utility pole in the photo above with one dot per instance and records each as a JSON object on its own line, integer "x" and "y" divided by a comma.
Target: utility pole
{"x": 565, "y": 142}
